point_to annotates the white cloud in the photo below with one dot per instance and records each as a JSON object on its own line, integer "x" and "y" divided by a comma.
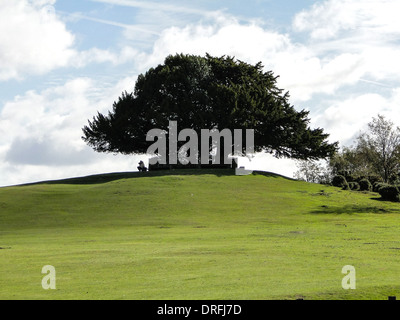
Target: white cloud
{"x": 344, "y": 120}
{"x": 331, "y": 18}
{"x": 223, "y": 35}
{"x": 95, "y": 55}
{"x": 305, "y": 76}
{"x": 32, "y": 39}
{"x": 359, "y": 39}
{"x": 365, "y": 32}
{"x": 40, "y": 133}
{"x": 154, "y": 6}
{"x": 302, "y": 71}
{"x": 46, "y": 113}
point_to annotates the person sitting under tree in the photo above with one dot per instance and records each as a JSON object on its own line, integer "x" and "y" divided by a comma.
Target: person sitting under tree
{"x": 141, "y": 166}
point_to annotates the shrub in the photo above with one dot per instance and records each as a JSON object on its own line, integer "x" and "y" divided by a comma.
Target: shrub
{"x": 365, "y": 185}
{"x": 374, "y": 178}
{"x": 354, "y": 186}
{"x": 339, "y": 181}
{"x": 350, "y": 178}
{"x": 390, "y": 193}
{"x": 346, "y": 186}
{"x": 378, "y": 185}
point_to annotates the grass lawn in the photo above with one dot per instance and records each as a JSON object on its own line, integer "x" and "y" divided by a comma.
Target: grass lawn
{"x": 190, "y": 234}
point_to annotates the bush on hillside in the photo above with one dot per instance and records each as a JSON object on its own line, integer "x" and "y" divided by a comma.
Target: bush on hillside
{"x": 339, "y": 181}
{"x": 346, "y": 186}
{"x": 390, "y": 193}
{"x": 365, "y": 185}
{"x": 349, "y": 178}
{"x": 354, "y": 186}
{"x": 375, "y": 179}
{"x": 378, "y": 185}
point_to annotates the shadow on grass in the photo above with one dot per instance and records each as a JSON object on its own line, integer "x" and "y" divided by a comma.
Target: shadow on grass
{"x": 108, "y": 177}
{"x": 380, "y": 199}
{"x": 352, "y": 209}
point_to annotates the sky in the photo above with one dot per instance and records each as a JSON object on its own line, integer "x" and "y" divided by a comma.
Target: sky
{"x": 62, "y": 61}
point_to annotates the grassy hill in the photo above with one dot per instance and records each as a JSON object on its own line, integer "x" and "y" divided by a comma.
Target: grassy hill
{"x": 196, "y": 235}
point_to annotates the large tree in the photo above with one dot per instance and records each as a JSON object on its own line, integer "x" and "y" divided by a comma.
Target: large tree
{"x": 208, "y": 93}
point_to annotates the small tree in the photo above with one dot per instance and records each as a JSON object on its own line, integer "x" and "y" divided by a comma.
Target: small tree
{"x": 380, "y": 147}
{"x": 312, "y": 171}
{"x": 349, "y": 162}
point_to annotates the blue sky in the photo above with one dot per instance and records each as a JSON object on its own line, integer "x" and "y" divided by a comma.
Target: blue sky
{"x": 61, "y": 61}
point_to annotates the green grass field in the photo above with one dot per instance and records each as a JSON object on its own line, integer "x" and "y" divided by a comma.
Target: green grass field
{"x": 196, "y": 235}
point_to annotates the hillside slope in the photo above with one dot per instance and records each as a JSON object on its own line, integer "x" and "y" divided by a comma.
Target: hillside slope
{"x": 196, "y": 235}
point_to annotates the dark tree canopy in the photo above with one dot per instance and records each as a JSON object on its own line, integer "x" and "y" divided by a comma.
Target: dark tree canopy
{"x": 208, "y": 93}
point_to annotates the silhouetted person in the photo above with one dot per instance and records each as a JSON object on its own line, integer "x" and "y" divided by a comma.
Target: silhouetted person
{"x": 141, "y": 166}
